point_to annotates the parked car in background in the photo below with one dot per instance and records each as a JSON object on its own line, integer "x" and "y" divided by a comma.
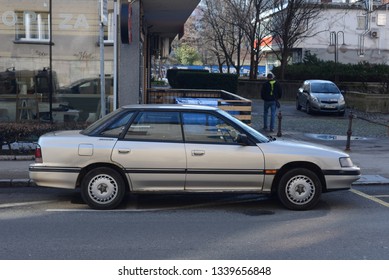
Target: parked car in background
{"x": 84, "y": 95}
{"x": 320, "y": 96}
{"x": 185, "y": 149}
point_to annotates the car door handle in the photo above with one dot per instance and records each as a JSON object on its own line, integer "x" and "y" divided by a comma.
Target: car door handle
{"x": 198, "y": 153}
{"x": 124, "y": 151}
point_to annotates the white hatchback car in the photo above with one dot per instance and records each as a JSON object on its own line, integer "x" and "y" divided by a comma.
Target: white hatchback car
{"x": 185, "y": 148}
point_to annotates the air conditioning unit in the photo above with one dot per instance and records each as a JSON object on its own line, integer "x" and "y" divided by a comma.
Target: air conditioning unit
{"x": 374, "y": 34}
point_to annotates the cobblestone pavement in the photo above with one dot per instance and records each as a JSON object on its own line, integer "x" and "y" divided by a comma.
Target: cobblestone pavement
{"x": 363, "y": 124}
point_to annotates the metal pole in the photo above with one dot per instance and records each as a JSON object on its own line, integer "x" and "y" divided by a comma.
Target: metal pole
{"x": 115, "y": 54}
{"x": 349, "y": 130}
{"x": 51, "y": 62}
{"x": 279, "y": 133}
{"x": 102, "y": 75}
{"x": 102, "y": 72}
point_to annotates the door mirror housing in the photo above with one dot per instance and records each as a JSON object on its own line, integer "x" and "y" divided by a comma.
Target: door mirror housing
{"x": 242, "y": 139}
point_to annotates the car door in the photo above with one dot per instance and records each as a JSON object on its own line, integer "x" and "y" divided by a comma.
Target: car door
{"x": 215, "y": 161}
{"x": 152, "y": 152}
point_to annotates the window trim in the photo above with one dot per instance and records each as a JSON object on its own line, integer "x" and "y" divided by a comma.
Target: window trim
{"x": 109, "y": 29}
{"x": 21, "y": 28}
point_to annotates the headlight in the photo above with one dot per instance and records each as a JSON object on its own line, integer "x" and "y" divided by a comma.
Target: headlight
{"x": 314, "y": 99}
{"x": 346, "y": 162}
{"x": 341, "y": 100}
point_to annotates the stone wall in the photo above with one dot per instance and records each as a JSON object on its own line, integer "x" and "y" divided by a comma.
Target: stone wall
{"x": 252, "y": 89}
{"x": 370, "y": 103}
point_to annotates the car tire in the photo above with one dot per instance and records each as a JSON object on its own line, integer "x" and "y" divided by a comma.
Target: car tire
{"x": 103, "y": 188}
{"x": 308, "y": 108}
{"x": 298, "y": 106}
{"x": 299, "y": 189}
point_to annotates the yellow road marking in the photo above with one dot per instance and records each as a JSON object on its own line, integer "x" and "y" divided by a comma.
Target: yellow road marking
{"x": 375, "y": 199}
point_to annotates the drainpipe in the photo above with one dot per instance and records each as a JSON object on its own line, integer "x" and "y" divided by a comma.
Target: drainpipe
{"x": 361, "y": 41}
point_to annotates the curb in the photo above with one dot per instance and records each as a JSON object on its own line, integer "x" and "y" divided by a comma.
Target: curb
{"x": 11, "y": 157}
{"x": 367, "y": 180}
{"x": 16, "y": 183}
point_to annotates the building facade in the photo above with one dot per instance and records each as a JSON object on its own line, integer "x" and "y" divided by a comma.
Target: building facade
{"x": 348, "y": 32}
{"x": 64, "y": 36}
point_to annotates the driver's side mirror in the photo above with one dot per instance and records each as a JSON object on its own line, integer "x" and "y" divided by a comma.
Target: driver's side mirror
{"x": 242, "y": 139}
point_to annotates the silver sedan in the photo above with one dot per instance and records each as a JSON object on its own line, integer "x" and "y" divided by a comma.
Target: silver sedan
{"x": 187, "y": 149}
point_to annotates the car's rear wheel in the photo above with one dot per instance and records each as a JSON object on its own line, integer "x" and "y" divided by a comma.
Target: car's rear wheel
{"x": 299, "y": 189}
{"x": 103, "y": 188}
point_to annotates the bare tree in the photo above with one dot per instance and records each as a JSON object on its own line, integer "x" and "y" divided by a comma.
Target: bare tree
{"x": 248, "y": 18}
{"x": 291, "y": 22}
{"x": 222, "y": 34}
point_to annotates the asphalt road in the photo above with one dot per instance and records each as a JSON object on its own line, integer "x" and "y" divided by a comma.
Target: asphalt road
{"x": 40, "y": 223}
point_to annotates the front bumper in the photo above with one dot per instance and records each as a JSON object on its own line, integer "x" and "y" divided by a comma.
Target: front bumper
{"x": 341, "y": 179}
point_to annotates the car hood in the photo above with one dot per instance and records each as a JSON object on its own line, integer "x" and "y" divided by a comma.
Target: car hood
{"x": 326, "y": 96}
{"x": 301, "y": 147}
{"x": 279, "y": 152}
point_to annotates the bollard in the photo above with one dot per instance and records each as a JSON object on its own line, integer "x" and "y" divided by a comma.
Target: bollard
{"x": 349, "y": 131}
{"x": 279, "y": 133}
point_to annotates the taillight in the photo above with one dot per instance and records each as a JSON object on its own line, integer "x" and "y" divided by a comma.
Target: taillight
{"x": 38, "y": 154}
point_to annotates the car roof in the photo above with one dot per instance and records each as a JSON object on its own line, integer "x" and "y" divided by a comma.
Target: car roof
{"x": 170, "y": 107}
{"x": 319, "y": 81}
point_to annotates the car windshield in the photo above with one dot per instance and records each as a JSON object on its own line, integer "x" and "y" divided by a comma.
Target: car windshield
{"x": 324, "y": 88}
{"x": 260, "y": 138}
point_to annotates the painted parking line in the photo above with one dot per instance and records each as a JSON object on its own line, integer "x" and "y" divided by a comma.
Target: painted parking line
{"x": 373, "y": 198}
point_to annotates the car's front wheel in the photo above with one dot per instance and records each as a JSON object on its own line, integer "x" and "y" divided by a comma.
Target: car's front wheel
{"x": 299, "y": 189}
{"x": 308, "y": 108}
{"x": 103, "y": 188}
{"x": 298, "y": 106}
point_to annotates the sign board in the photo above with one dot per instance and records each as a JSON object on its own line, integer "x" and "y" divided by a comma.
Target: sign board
{"x": 104, "y": 12}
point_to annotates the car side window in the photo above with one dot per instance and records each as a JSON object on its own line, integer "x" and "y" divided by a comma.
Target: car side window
{"x": 116, "y": 128}
{"x": 155, "y": 126}
{"x": 207, "y": 128}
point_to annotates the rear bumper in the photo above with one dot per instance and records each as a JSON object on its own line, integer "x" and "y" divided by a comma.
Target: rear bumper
{"x": 54, "y": 177}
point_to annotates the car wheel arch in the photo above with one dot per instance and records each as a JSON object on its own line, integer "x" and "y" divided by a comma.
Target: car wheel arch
{"x": 90, "y": 167}
{"x": 298, "y": 164}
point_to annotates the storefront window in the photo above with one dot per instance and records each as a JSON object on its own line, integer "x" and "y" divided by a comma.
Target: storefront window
{"x": 30, "y": 59}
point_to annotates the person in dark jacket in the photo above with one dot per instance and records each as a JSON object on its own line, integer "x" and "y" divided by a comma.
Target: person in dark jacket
{"x": 271, "y": 92}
